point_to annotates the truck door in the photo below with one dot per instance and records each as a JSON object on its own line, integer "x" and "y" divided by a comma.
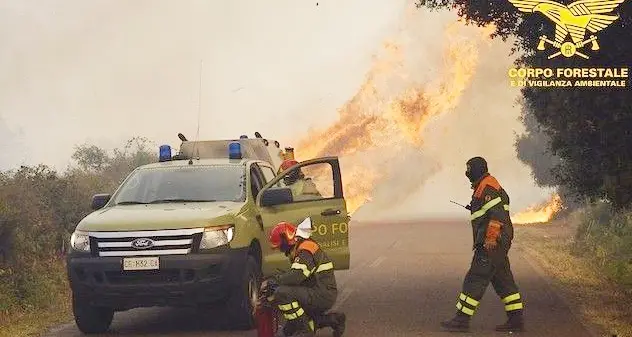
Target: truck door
{"x": 313, "y": 189}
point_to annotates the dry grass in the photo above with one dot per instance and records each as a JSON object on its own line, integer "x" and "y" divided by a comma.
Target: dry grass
{"x": 46, "y": 305}
{"x": 36, "y": 323}
{"x": 600, "y": 301}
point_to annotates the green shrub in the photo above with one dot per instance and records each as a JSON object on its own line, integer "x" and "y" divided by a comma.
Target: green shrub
{"x": 605, "y": 236}
{"x": 39, "y": 209}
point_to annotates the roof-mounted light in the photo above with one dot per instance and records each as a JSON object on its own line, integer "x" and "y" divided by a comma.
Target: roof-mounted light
{"x": 234, "y": 151}
{"x": 243, "y": 137}
{"x": 165, "y": 153}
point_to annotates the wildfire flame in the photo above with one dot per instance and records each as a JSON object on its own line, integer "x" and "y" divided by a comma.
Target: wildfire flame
{"x": 375, "y": 120}
{"x": 540, "y": 213}
{"x": 382, "y": 122}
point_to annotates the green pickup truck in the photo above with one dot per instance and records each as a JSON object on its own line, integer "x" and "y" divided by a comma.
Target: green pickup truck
{"x": 191, "y": 230}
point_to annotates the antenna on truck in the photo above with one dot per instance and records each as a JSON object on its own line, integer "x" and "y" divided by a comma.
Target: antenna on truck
{"x": 197, "y": 135}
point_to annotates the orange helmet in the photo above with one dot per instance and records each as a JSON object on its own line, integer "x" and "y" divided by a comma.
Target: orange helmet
{"x": 287, "y": 164}
{"x": 282, "y": 233}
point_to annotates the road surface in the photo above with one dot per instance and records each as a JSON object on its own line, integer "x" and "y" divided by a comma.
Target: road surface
{"x": 404, "y": 279}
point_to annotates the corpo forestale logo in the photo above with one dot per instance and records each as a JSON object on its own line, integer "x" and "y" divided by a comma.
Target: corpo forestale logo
{"x": 574, "y": 20}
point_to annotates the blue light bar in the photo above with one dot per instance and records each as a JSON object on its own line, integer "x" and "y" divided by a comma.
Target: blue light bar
{"x": 234, "y": 151}
{"x": 165, "y": 153}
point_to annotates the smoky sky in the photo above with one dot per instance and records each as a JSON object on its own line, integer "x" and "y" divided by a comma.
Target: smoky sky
{"x": 102, "y": 72}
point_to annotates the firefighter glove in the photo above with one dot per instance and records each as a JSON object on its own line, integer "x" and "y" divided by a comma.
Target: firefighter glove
{"x": 268, "y": 286}
{"x": 491, "y": 237}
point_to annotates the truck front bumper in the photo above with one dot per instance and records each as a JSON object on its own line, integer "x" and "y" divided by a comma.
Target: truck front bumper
{"x": 182, "y": 280}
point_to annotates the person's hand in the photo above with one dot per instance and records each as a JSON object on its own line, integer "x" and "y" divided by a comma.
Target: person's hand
{"x": 259, "y": 302}
{"x": 468, "y": 207}
{"x": 267, "y": 285}
{"x": 491, "y": 237}
{"x": 264, "y": 286}
{"x": 490, "y": 244}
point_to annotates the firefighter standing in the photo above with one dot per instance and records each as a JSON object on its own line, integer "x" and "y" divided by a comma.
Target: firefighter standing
{"x": 493, "y": 233}
{"x": 308, "y": 289}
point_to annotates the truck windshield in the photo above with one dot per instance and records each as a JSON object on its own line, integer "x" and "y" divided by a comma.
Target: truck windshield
{"x": 183, "y": 184}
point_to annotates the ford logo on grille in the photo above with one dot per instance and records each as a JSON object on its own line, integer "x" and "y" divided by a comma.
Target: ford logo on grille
{"x": 143, "y": 243}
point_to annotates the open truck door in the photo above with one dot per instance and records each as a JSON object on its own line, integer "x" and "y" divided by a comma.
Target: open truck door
{"x": 317, "y": 193}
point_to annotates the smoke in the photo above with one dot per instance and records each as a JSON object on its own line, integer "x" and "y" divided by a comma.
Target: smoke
{"x": 436, "y": 96}
{"x": 13, "y": 148}
{"x": 533, "y": 149}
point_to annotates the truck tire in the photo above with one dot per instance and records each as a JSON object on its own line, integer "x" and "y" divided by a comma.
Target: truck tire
{"x": 91, "y": 319}
{"x": 240, "y": 306}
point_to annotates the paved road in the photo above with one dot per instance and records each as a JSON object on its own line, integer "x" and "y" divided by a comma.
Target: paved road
{"x": 403, "y": 281}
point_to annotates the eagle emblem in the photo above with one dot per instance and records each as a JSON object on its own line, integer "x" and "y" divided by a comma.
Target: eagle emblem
{"x": 572, "y": 20}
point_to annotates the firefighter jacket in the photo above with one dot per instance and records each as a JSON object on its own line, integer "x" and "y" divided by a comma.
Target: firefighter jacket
{"x": 304, "y": 189}
{"x": 311, "y": 267}
{"x": 490, "y": 202}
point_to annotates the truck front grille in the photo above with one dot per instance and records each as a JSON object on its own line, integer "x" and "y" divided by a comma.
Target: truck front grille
{"x": 143, "y": 277}
{"x": 141, "y": 243}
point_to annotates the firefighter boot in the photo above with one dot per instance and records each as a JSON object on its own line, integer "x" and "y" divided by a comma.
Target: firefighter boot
{"x": 334, "y": 320}
{"x": 289, "y": 329}
{"x": 305, "y": 327}
{"x": 339, "y": 323}
{"x": 459, "y": 323}
{"x": 514, "y": 323}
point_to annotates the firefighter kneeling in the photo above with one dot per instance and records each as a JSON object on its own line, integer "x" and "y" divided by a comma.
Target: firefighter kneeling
{"x": 305, "y": 292}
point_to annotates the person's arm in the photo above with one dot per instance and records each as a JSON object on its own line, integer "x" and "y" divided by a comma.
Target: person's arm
{"x": 301, "y": 269}
{"x": 310, "y": 188}
{"x": 491, "y": 212}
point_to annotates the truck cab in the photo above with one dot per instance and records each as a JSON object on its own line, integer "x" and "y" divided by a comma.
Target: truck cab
{"x": 191, "y": 230}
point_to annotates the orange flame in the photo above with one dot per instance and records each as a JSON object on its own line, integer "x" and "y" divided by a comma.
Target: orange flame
{"x": 540, "y": 213}
{"x": 371, "y": 120}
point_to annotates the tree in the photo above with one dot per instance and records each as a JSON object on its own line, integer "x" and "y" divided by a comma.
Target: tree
{"x": 90, "y": 157}
{"x": 588, "y": 129}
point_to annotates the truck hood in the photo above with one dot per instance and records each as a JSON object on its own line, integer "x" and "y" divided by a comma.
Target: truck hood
{"x": 160, "y": 216}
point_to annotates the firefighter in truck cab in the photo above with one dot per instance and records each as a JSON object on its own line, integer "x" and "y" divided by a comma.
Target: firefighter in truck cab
{"x": 308, "y": 289}
{"x": 303, "y": 188}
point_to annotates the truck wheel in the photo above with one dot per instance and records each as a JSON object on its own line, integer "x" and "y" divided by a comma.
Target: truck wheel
{"x": 241, "y": 305}
{"x": 91, "y": 319}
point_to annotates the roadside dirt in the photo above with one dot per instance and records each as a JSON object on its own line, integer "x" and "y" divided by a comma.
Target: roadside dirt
{"x": 604, "y": 305}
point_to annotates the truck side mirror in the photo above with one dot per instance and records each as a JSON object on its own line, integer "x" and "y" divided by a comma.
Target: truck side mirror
{"x": 276, "y": 196}
{"x": 100, "y": 200}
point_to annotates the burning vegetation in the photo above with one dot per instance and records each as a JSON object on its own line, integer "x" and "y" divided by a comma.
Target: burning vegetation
{"x": 540, "y": 213}
{"x": 384, "y": 122}
{"x": 379, "y": 121}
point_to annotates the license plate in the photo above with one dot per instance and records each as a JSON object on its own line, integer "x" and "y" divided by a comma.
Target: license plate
{"x": 141, "y": 263}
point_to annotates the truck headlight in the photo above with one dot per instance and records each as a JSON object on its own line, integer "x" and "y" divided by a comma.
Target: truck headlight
{"x": 80, "y": 241}
{"x": 217, "y": 236}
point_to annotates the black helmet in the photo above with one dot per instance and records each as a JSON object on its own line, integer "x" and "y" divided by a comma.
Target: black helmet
{"x": 476, "y": 169}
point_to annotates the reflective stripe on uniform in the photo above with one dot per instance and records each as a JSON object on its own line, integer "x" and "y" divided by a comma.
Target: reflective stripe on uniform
{"x": 464, "y": 309}
{"x": 295, "y": 315}
{"x": 468, "y": 300}
{"x": 510, "y": 307}
{"x": 485, "y": 208}
{"x": 506, "y": 208}
{"x": 302, "y": 267}
{"x": 325, "y": 266}
{"x": 289, "y": 306}
{"x": 511, "y": 298}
